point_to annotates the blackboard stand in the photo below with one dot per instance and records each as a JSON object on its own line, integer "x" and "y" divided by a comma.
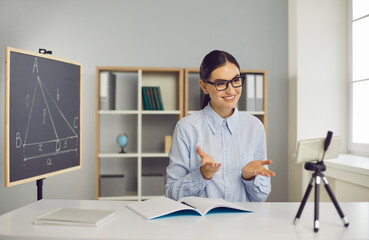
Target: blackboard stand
{"x": 39, "y": 184}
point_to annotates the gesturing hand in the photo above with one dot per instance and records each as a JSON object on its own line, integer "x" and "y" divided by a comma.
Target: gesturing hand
{"x": 256, "y": 168}
{"x": 209, "y": 166}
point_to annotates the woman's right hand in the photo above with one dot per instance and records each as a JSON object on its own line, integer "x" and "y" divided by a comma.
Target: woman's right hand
{"x": 209, "y": 166}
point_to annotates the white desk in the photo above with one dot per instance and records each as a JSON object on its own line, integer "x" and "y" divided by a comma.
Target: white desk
{"x": 269, "y": 221}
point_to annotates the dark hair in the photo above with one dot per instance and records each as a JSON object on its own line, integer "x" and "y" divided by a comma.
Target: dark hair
{"x": 212, "y": 61}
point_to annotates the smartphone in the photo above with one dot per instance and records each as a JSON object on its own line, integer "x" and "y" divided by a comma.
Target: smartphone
{"x": 312, "y": 149}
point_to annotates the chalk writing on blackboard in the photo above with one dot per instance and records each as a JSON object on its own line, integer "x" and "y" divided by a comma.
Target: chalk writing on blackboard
{"x": 51, "y": 145}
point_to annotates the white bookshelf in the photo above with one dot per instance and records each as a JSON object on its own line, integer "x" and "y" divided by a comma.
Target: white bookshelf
{"x": 146, "y": 129}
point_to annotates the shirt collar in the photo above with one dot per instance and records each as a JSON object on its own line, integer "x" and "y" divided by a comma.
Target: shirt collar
{"x": 215, "y": 121}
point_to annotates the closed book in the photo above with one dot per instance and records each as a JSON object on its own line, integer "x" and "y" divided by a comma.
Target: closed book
{"x": 259, "y": 89}
{"x": 250, "y": 85}
{"x": 156, "y": 98}
{"x": 75, "y": 217}
{"x": 160, "y": 100}
{"x": 167, "y": 143}
{"x": 145, "y": 99}
{"x": 107, "y": 90}
{"x": 151, "y": 98}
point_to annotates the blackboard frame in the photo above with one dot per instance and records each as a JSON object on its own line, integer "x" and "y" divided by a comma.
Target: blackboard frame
{"x": 69, "y": 87}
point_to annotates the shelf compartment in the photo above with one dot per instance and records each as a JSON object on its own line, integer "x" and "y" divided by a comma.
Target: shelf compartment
{"x": 127, "y": 167}
{"x": 126, "y": 90}
{"x": 153, "y": 176}
{"x": 169, "y": 82}
{"x": 154, "y": 130}
{"x": 113, "y": 125}
{"x": 119, "y": 87}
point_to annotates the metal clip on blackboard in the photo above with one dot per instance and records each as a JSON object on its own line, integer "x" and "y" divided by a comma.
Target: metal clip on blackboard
{"x": 44, "y": 51}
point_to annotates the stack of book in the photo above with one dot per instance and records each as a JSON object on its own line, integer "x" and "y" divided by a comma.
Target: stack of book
{"x": 75, "y": 217}
{"x": 151, "y": 98}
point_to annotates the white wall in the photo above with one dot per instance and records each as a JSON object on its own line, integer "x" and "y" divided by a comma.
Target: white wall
{"x": 318, "y": 78}
{"x": 161, "y": 33}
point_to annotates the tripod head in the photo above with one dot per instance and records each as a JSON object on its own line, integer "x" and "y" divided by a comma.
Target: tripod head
{"x": 316, "y": 167}
{"x": 319, "y": 166}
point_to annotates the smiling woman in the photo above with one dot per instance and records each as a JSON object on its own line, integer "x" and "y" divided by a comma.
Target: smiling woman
{"x": 224, "y": 98}
{"x": 226, "y": 136}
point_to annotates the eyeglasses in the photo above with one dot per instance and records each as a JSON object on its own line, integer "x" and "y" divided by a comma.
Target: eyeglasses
{"x": 222, "y": 85}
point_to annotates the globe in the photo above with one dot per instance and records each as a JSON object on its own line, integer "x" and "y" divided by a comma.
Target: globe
{"x": 122, "y": 140}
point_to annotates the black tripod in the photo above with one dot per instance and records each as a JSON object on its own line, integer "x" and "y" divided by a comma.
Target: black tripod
{"x": 318, "y": 168}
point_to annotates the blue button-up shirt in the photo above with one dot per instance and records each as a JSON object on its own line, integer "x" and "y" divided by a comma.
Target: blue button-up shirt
{"x": 233, "y": 141}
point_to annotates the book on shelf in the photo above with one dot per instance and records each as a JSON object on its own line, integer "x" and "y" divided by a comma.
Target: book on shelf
{"x": 161, "y": 106}
{"x": 107, "y": 90}
{"x": 145, "y": 98}
{"x": 259, "y": 90}
{"x": 167, "y": 143}
{"x": 162, "y": 206}
{"x": 151, "y": 98}
{"x": 250, "y": 94}
{"x": 75, "y": 217}
{"x": 155, "y": 98}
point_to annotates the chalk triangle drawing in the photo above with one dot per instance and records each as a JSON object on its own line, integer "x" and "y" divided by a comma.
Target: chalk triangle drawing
{"x": 48, "y": 132}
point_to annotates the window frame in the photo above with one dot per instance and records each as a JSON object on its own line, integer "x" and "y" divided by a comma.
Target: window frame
{"x": 354, "y": 148}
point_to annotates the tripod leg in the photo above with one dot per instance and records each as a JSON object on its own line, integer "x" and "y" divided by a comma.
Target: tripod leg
{"x": 316, "y": 204}
{"x": 304, "y": 199}
{"x": 333, "y": 198}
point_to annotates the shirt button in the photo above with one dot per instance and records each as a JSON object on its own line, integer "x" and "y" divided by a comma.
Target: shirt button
{"x": 225, "y": 149}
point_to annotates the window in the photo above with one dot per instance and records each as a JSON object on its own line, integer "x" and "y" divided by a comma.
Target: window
{"x": 359, "y": 81}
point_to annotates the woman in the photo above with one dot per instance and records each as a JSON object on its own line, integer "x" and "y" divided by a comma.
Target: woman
{"x": 219, "y": 152}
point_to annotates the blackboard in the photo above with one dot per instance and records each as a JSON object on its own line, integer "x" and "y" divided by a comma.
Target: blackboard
{"x": 42, "y": 116}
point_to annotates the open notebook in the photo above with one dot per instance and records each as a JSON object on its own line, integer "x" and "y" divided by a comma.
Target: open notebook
{"x": 159, "y": 207}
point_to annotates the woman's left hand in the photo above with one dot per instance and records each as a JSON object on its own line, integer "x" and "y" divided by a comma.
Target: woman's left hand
{"x": 255, "y": 168}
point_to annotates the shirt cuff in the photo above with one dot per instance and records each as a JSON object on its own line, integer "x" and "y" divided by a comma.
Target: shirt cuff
{"x": 255, "y": 181}
{"x": 198, "y": 181}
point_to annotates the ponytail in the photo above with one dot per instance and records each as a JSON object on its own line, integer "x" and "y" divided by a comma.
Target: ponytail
{"x": 205, "y": 100}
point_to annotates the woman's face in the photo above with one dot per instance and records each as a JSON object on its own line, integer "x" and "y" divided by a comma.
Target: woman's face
{"x": 223, "y": 102}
